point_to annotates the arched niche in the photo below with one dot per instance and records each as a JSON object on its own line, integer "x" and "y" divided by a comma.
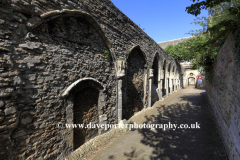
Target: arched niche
{"x": 140, "y": 51}
{"x": 191, "y": 81}
{"x": 164, "y": 66}
{"x": 155, "y": 67}
{"x": 173, "y": 78}
{"x": 155, "y": 86}
{"x": 169, "y": 79}
{"x": 85, "y": 98}
{"x": 133, "y": 84}
{"x": 54, "y": 14}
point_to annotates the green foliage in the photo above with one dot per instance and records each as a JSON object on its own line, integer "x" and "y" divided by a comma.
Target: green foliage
{"x": 203, "y": 22}
{"x": 203, "y": 47}
{"x": 84, "y": 2}
{"x": 195, "y": 9}
{"x": 198, "y": 49}
{"x": 237, "y": 44}
{"x": 225, "y": 22}
{"x": 106, "y": 53}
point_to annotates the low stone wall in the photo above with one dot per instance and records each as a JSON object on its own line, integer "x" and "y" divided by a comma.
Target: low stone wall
{"x": 224, "y": 94}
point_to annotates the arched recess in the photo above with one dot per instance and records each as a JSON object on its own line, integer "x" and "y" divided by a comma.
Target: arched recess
{"x": 164, "y": 78}
{"x": 50, "y": 15}
{"x": 85, "y": 98}
{"x": 155, "y": 67}
{"x": 191, "y": 81}
{"x": 133, "y": 84}
{"x": 155, "y": 95}
{"x": 169, "y": 78}
{"x": 173, "y": 78}
{"x": 138, "y": 48}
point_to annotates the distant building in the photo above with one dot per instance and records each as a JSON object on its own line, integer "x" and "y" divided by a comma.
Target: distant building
{"x": 189, "y": 75}
{"x": 172, "y": 42}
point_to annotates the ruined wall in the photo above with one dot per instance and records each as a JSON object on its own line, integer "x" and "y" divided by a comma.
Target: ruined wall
{"x": 224, "y": 94}
{"x": 53, "y": 55}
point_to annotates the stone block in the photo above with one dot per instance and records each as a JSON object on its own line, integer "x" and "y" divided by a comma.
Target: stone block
{"x": 17, "y": 80}
{"x": 1, "y": 118}
{"x": 6, "y": 92}
{"x": 36, "y": 59}
{"x": 30, "y": 45}
{"x": 103, "y": 118}
{"x": 26, "y": 120}
{"x": 10, "y": 110}
{"x": 1, "y": 103}
{"x": 34, "y": 21}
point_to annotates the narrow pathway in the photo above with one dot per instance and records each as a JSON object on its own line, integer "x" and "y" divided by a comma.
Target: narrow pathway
{"x": 187, "y": 107}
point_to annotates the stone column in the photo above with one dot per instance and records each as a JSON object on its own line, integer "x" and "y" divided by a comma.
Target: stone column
{"x": 150, "y": 87}
{"x": 145, "y": 91}
{"x": 120, "y": 71}
{"x": 174, "y": 84}
{"x": 166, "y": 86}
{"x": 179, "y": 84}
{"x": 170, "y": 84}
{"x": 160, "y": 84}
{"x": 160, "y": 89}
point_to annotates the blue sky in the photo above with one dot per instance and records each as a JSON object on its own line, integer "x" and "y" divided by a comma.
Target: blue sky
{"x": 163, "y": 20}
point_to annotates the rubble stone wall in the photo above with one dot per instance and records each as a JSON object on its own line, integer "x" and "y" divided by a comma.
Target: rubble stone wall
{"x": 224, "y": 94}
{"x": 52, "y": 53}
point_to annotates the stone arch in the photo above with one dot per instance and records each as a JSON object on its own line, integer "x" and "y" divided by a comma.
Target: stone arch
{"x": 173, "y": 68}
{"x": 50, "y": 15}
{"x": 138, "y": 48}
{"x": 169, "y": 67}
{"x": 164, "y": 66}
{"x": 169, "y": 78}
{"x": 156, "y": 67}
{"x": 193, "y": 80}
{"x": 155, "y": 86}
{"x": 73, "y": 87}
{"x": 85, "y": 97}
{"x": 173, "y": 77}
{"x": 133, "y": 84}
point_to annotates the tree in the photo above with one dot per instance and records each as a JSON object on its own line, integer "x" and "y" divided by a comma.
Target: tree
{"x": 195, "y": 9}
{"x": 203, "y": 47}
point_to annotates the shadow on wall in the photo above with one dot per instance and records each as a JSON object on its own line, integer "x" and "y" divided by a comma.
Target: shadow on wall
{"x": 192, "y": 144}
{"x": 85, "y": 111}
{"x": 133, "y": 84}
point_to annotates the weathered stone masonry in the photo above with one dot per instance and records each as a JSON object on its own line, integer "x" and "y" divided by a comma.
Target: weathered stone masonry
{"x": 224, "y": 94}
{"x": 70, "y": 61}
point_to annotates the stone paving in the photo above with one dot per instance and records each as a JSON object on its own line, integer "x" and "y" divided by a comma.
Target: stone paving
{"x": 186, "y": 107}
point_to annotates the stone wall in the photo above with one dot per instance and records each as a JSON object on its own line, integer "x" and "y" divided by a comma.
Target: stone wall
{"x": 224, "y": 94}
{"x": 56, "y": 56}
